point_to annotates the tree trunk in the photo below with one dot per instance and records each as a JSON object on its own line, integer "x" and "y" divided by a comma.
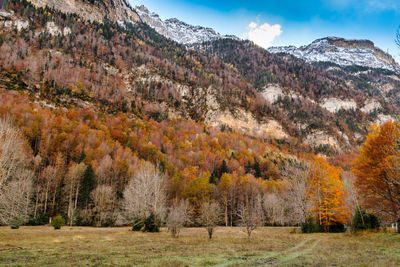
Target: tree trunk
{"x": 226, "y": 212}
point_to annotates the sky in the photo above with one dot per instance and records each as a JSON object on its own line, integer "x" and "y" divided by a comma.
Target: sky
{"x": 289, "y": 22}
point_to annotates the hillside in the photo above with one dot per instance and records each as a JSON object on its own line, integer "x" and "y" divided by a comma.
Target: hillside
{"x": 93, "y": 10}
{"x": 225, "y": 82}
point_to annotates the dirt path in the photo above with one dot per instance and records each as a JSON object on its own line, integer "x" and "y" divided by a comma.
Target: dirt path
{"x": 279, "y": 257}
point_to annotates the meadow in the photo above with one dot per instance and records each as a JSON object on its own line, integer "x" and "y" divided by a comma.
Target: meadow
{"x": 268, "y": 246}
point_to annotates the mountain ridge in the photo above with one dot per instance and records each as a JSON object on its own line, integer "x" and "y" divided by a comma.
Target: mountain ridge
{"x": 341, "y": 51}
{"x": 178, "y": 30}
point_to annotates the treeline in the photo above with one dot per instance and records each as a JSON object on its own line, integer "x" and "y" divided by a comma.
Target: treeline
{"x": 82, "y": 164}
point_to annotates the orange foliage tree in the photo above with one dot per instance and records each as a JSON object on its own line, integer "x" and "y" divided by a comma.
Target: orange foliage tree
{"x": 326, "y": 194}
{"x": 377, "y": 170}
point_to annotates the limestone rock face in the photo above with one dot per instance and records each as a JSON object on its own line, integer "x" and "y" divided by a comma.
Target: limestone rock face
{"x": 115, "y": 10}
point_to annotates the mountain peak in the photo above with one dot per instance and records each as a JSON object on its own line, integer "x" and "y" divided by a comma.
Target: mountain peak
{"x": 179, "y": 31}
{"x": 343, "y": 52}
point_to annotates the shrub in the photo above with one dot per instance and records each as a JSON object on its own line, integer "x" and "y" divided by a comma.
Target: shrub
{"x": 310, "y": 226}
{"x": 41, "y": 219}
{"x": 337, "y": 228}
{"x": 151, "y": 224}
{"x": 57, "y": 222}
{"x": 364, "y": 221}
{"x": 16, "y": 223}
{"x": 137, "y": 224}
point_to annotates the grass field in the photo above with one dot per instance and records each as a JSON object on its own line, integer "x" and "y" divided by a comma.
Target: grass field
{"x": 82, "y": 246}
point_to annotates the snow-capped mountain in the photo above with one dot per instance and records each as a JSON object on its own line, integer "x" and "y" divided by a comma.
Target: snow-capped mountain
{"x": 177, "y": 30}
{"x": 342, "y": 52}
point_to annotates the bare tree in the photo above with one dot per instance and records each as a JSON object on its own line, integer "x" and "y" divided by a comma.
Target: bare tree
{"x": 15, "y": 177}
{"x": 15, "y": 199}
{"x": 73, "y": 177}
{"x": 103, "y": 204}
{"x": 177, "y": 217}
{"x": 250, "y": 211}
{"x": 295, "y": 193}
{"x": 210, "y": 216}
{"x": 145, "y": 193}
{"x": 12, "y": 154}
{"x": 275, "y": 207}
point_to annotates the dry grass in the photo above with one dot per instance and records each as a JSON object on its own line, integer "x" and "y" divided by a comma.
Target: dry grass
{"x": 82, "y": 246}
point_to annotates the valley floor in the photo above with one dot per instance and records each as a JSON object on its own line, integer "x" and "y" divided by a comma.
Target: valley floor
{"x": 86, "y": 246}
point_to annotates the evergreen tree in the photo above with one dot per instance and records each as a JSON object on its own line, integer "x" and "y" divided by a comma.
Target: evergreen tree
{"x": 87, "y": 185}
{"x": 257, "y": 170}
{"x": 223, "y": 169}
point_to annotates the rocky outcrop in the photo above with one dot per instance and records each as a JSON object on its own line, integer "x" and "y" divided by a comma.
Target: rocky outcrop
{"x": 177, "y": 30}
{"x": 245, "y": 123}
{"x": 115, "y": 10}
{"x": 334, "y": 104}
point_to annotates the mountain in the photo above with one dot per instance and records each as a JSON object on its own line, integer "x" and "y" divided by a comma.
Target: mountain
{"x": 342, "y": 52}
{"x": 177, "y": 30}
{"x": 322, "y": 104}
{"x": 231, "y": 84}
{"x": 93, "y": 10}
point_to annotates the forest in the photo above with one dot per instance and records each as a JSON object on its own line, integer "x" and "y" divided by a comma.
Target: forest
{"x": 86, "y": 139}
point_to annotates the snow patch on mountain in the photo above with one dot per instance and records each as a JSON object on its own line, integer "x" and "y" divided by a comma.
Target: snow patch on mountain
{"x": 177, "y": 30}
{"x": 342, "y": 52}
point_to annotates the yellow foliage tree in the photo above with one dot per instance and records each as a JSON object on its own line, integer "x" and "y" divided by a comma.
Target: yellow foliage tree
{"x": 326, "y": 194}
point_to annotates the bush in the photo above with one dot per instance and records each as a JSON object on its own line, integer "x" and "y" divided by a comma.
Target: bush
{"x": 364, "y": 221}
{"x": 41, "y": 219}
{"x": 137, "y": 224}
{"x": 16, "y": 223}
{"x": 337, "y": 228}
{"x": 151, "y": 224}
{"x": 57, "y": 222}
{"x": 310, "y": 226}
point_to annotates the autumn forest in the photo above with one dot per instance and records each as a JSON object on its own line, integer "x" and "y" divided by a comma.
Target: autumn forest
{"x": 104, "y": 125}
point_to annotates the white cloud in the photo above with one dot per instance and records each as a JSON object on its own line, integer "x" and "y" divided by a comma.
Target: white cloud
{"x": 263, "y": 35}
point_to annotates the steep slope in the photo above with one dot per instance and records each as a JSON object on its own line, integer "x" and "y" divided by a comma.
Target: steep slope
{"x": 129, "y": 69}
{"x": 230, "y": 84}
{"x": 324, "y": 104}
{"x": 93, "y": 10}
{"x": 342, "y": 52}
{"x": 177, "y": 30}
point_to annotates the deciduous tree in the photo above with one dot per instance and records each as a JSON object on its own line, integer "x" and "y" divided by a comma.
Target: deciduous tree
{"x": 210, "y": 216}
{"x": 377, "y": 171}
{"x": 326, "y": 194}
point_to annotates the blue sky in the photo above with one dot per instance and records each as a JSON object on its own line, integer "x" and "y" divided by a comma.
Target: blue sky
{"x": 290, "y": 22}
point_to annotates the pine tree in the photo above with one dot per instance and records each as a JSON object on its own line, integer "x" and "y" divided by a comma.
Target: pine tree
{"x": 87, "y": 185}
